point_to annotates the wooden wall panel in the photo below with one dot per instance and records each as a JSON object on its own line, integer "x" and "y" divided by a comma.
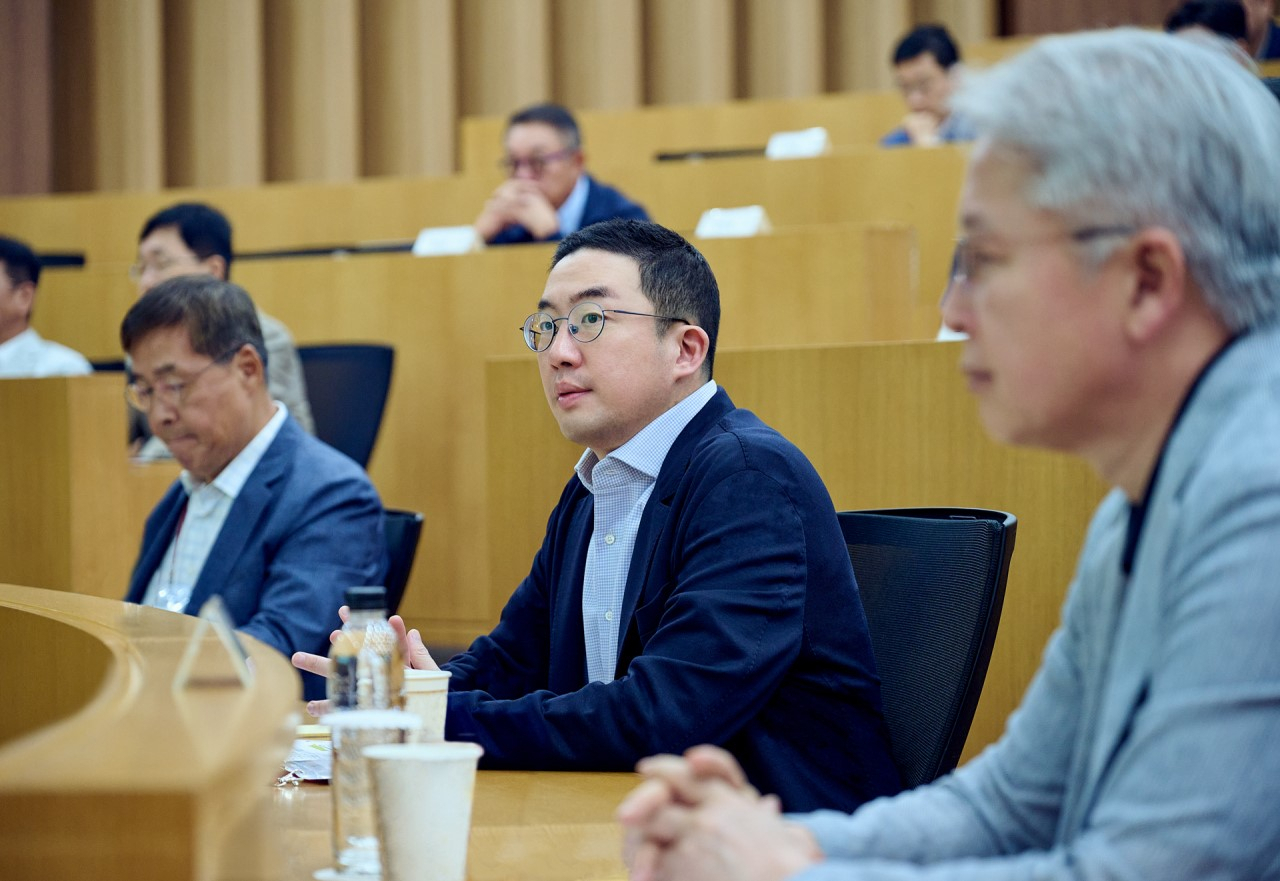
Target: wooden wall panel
{"x": 107, "y": 95}
{"x": 968, "y": 20}
{"x": 213, "y": 93}
{"x": 312, "y": 90}
{"x": 859, "y": 35}
{"x": 597, "y": 53}
{"x": 1037, "y": 17}
{"x": 505, "y": 55}
{"x": 127, "y": 95}
{"x": 690, "y": 51}
{"x": 408, "y": 86}
{"x": 26, "y": 81}
{"x": 784, "y": 44}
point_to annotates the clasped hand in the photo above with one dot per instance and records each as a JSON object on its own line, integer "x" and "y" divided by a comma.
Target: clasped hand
{"x": 697, "y": 819}
{"x": 518, "y": 202}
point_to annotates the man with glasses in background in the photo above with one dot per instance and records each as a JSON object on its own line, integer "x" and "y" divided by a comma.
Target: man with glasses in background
{"x": 926, "y": 70}
{"x": 274, "y": 521}
{"x": 548, "y": 193}
{"x": 693, "y": 583}
{"x": 191, "y": 238}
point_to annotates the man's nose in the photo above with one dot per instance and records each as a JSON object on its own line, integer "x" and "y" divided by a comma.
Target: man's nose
{"x": 564, "y": 348}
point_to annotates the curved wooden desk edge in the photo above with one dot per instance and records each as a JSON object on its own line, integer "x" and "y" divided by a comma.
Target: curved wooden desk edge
{"x": 140, "y": 780}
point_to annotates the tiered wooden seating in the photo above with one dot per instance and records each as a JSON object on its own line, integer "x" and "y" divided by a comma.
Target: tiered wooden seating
{"x": 445, "y": 316}
{"x": 634, "y": 137}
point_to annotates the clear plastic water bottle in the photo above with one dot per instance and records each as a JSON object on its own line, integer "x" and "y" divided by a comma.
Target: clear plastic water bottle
{"x": 366, "y": 669}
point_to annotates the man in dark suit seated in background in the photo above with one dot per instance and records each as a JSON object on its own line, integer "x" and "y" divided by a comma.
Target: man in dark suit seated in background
{"x": 693, "y": 583}
{"x": 548, "y": 193}
{"x": 273, "y": 520}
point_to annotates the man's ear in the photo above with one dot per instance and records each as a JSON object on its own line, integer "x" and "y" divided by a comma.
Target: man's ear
{"x": 247, "y": 363}
{"x": 216, "y": 265}
{"x": 694, "y": 344}
{"x": 1160, "y": 287}
{"x": 25, "y": 294}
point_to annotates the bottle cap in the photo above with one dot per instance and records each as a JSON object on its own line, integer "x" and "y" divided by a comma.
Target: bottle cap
{"x": 366, "y": 597}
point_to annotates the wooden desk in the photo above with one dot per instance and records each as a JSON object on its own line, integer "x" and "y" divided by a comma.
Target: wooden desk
{"x": 107, "y": 772}
{"x": 530, "y": 825}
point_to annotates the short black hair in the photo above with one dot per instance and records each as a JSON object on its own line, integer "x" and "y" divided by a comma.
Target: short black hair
{"x": 19, "y": 261}
{"x": 204, "y": 229}
{"x": 1225, "y": 18}
{"x": 554, "y": 115}
{"x": 219, "y": 316}
{"x": 932, "y": 38}
{"x": 674, "y": 275}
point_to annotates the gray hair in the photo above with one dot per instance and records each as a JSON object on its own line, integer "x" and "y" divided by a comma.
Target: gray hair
{"x": 1128, "y": 127}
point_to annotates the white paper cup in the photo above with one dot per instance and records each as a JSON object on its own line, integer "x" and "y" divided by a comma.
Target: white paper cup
{"x": 424, "y": 793}
{"x": 426, "y": 695}
{"x": 355, "y": 844}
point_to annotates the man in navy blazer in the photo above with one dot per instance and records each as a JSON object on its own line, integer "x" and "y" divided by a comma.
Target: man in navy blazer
{"x": 272, "y": 520}
{"x": 693, "y": 583}
{"x": 548, "y": 194}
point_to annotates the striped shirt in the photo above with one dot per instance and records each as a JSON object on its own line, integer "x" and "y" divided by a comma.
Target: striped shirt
{"x": 620, "y": 485}
{"x": 208, "y": 505}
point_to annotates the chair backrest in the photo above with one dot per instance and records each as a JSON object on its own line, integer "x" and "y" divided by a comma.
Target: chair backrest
{"x": 932, "y": 582}
{"x": 403, "y": 529}
{"x": 347, "y": 386}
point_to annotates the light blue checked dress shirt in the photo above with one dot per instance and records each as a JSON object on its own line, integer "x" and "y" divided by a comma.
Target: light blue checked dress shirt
{"x": 208, "y": 505}
{"x": 621, "y": 484}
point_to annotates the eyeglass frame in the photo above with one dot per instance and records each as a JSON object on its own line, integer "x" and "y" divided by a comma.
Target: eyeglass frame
{"x": 961, "y": 260}
{"x": 137, "y": 269}
{"x": 135, "y": 398}
{"x": 536, "y": 163}
{"x": 555, "y": 323}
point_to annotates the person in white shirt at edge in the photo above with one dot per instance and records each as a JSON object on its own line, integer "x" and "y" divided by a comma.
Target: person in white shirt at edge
{"x": 1119, "y": 280}
{"x": 23, "y": 353}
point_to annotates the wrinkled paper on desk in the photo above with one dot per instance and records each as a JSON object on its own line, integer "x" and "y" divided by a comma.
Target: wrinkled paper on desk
{"x": 310, "y": 759}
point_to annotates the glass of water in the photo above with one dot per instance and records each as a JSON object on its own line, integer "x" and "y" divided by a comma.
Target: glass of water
{"x": 355, "y": 827}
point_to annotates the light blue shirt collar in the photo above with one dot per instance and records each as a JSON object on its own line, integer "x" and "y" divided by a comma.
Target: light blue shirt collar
{"x": 570, "y": 213}
{"x": 648, "y": 449}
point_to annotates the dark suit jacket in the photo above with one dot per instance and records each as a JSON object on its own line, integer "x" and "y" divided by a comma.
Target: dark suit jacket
{"x": 306, "y": 526}
{"x": 741, "y": 626}
{"x": 603, "y": 203}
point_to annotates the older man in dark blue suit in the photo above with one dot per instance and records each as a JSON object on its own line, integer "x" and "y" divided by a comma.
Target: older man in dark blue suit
{"x": 272, "y": 520}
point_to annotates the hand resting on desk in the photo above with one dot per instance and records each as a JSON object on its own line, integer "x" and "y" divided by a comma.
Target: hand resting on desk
{"x": 412, "y": 648}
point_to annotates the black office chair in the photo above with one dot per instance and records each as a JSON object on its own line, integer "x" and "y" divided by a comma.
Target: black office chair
{"x": 347, "y": 386}
{"x": 932, "y": 583}
{"x": 402, "y": 529}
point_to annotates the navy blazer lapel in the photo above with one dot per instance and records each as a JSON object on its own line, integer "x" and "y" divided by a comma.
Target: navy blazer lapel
{"x": 568, "y": 642}
{"x": 245, "y": 516}
{"x": 658, "y": 510}
{"x": 155, "y": 545}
